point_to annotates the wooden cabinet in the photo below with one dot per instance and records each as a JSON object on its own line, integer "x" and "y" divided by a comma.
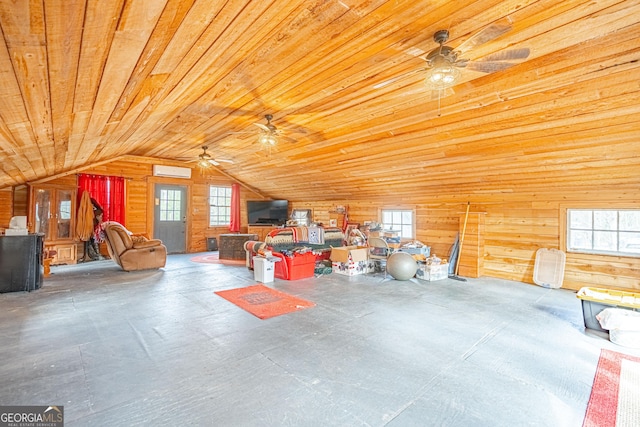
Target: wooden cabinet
{"x": 472, "y": 253}
{"x": 52, "y": 212}
{"x": 260, "y": 230}
{"x": 66, "y": 253}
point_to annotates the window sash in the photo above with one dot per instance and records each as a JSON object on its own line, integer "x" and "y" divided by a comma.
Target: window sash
{"x": 603, "y": 231}
{"x": 401, "y": 220}
{"x": 219, "y": 206}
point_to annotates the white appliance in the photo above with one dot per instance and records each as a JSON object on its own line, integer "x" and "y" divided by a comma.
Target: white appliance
{"x": 17, "y": 226}
{"x": 171, "y": 171}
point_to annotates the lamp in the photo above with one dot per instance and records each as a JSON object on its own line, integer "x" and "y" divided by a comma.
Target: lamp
{"x": 443, "y": 74}
{"x": 267, "y": 139}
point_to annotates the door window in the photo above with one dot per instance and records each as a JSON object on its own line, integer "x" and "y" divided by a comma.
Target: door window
{"x": 170, "y": 205}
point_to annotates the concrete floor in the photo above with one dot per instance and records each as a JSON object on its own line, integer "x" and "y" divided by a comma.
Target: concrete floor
{"x": 160, "y": 348}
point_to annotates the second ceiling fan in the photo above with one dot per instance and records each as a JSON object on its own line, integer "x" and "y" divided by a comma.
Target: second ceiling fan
{"x": 205, "y": 160}
{"x": 268, "y": 134}
{"x": 444, "y": 63}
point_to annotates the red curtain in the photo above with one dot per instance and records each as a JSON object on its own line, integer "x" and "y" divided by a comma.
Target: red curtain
{"x": 108, "y": 192}
{"x": 234, "y": 223}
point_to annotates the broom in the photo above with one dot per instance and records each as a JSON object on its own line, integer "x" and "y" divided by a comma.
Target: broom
{"x": 464, "y": 229}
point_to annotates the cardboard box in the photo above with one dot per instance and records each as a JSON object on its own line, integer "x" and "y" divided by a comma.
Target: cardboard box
{"x": 350, "y": 260}
{"x": 432, "y": 272}
{"x": 352, "y": 268}
{"x": 346, "y": 254}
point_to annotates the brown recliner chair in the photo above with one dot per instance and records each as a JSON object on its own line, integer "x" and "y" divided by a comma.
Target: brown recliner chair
{"x": 141, "y": 254}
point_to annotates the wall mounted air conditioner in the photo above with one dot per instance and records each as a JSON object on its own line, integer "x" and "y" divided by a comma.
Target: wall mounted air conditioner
{"x": 171, "y": 171}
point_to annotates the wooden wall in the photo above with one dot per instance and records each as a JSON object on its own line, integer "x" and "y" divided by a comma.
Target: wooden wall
{"x": 515, "y": 225}
{"x": 513, "y": 232}
{"x": 6, "y": 207}
{"x": 140, "y": 183}
{"x": 139, "y": 198}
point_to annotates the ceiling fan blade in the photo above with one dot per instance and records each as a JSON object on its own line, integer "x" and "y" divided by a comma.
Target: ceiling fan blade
{"x": 507, "y": 55}
{"x": 263, "y": 127}
{"x": 485, "y": 35}
{"x": 488, "y": 67}
{"x": 287, "y": 138}
{"x": 213, "y": 162}
{"x": 223, "y": 161}
{"x": 397, "y": 78}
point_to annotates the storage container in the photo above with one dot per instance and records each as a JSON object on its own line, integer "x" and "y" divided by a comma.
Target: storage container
{"x": 594, "y": 300}
{"x": 623, "y": 326}
{"x": 300, "y": 266}
{"x": 263, "y": 269}
{"x": 420, "y": 250}
{"x": 548, "y": 270}
{"x": 625, "y": 338}
{"x": 430, "y": 272}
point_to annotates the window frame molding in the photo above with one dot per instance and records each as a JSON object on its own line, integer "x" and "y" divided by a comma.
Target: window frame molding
{"x": 563, "y": 236}
{"x": 414, "y": 218}
{"x": 217, "y": 185}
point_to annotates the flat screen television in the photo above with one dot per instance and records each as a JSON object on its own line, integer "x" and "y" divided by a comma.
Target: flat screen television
{"x": 274, "y": 212}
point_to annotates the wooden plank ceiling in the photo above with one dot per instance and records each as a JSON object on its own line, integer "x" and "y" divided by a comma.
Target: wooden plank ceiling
{"x": 84, "y": 81}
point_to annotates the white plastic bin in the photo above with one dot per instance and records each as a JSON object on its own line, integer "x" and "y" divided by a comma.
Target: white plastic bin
{"x": 263, "y": 269}
{"x": 623, "y": 326}
{"x": 548, "y": 270}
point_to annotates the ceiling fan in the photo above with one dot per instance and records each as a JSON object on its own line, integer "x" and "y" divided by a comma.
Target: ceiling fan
{"x": 268, "y": 135}
{"x": 444, "y": 63}
{"x": 204, "y": 159}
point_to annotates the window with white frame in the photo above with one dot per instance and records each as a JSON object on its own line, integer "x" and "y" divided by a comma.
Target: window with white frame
{"x": 400, "y": 220}
{"x": 604, "y": 231}
{"x": 219, "y": 206}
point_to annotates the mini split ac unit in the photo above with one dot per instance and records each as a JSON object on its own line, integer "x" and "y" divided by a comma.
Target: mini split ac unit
{"x": 171, "y": 171}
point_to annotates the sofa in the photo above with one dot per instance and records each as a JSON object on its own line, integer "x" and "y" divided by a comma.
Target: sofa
{"x": 293, "y": 241}
{"x": 131, "y": 251}
{"x": 316, "y": 238}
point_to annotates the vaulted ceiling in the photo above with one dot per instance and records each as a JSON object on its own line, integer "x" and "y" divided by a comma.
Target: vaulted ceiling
{"x": 85, "y": 81}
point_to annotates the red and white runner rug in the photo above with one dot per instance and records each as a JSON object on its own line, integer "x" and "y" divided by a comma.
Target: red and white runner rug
{"x": 615, "y": 396}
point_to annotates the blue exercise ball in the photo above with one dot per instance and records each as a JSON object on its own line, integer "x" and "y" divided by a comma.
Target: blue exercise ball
{"x": 402, "y": 266}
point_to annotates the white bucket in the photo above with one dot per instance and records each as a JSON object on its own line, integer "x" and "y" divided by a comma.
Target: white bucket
{"x": 625, "y": 338}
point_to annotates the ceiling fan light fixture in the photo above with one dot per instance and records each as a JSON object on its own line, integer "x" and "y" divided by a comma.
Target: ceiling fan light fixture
{"x": 443, "y": 75}
{"x": 267, "y": 139}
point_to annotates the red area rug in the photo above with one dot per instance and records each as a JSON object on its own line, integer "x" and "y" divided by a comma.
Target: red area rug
{"x": 615, "y": 397}
{"x": 264, "y": 302}
{"x": 213, "y": 258}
